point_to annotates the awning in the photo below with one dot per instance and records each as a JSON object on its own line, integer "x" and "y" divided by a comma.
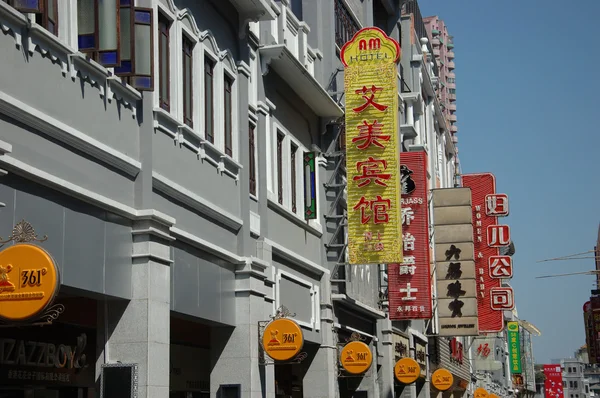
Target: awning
{"x": 299, "y": 79}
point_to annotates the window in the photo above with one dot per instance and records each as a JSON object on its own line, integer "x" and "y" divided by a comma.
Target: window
{"x": 293, "y": 165}
{"x": 163, "y": 62}
{"x": 252, "y": 160}
{"x": 280, "y": 167}
{"x": 46, "y": 12}
{"x": 136, "y": 46}
{"x": 564, "y": 383}
{"x": 209, "y": 119}
{"x": 575, "y": 384}
{"x": 97, "y": 30}
{"x": 228, "y": 115}
{"x": 187, "y": 56}
{"x": 570, "y": 382}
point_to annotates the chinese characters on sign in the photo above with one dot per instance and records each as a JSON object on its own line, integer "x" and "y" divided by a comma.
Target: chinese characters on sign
{"x": 553, "y": 385}
{"x": 410, "y": 282}
{"x": 454, "y": 257}
{"x": 372, "y": 152}
{"x": 514, "y": 347}
{"x": 488, "y": 236}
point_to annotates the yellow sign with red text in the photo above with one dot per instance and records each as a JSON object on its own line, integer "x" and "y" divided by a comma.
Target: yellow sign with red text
{"x": 356, "y": 357}
{"x": 283, "y": 339}
{"x": 29, "y": 282}
{"x": 442, "y": 379}
{"x": 372, "y": 149}
{"x": 407, "y": 370}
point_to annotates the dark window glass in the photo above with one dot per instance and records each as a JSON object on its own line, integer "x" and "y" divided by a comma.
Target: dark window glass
{"x": 293, "y": 151}
{"x": 228, "y": 116}
{"x": 280, "y": 168}
{"x": 163, "y": 61}
{"x": 209, "y": 70}
{"x": 252, "y": 162}
{"x": 188, "y": 116}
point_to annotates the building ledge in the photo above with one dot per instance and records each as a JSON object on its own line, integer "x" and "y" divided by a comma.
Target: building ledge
{"x": 408, "y": 131}
{"x": 255, "y": 10}
{"x": 358, "y": 306}
{"x": 299, "y": 79}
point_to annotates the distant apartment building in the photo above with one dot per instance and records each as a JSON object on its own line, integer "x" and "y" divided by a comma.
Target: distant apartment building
{"x": 443, "y": 51}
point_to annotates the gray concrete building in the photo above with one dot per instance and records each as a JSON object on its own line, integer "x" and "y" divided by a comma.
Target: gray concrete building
{"x": 183, "y": 159}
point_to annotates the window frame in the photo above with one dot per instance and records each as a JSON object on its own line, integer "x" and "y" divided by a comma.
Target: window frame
{"x": 252, "y": 158}
{"x": 164, "y": 99}
{"x": 208, "y": 56}
{"x": 228, "y": 84}
{"x": 188, "y": 86}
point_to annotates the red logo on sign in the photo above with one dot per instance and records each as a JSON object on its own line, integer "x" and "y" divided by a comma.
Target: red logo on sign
{"x": 502, "y": 298}
{"x": 498, "y": 235}
{"x": 500, "y": 267}
{"x": 484, "y": 350}
{"x": 496, "y": 205}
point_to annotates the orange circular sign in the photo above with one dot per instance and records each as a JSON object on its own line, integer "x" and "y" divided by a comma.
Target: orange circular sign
{"x": 29, "y": 281}
{"x": 407, "y": 370}
{"x": 282, "y": 339}
{"x": 481, "y": 393}
{"x": 442, "y": 379}
{"x": 356, "y": 357}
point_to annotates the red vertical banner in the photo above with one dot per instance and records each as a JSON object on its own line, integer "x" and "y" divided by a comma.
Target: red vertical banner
{"x": 588, "y": 321}
{"x": 553, "y": 385}
{"x": 492, "y": 299}
{"x": 595, "y": 326}
{"x": 409, "y": 283}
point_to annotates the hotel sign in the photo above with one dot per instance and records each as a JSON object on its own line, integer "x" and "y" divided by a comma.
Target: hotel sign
{"x": 372, "y": 149}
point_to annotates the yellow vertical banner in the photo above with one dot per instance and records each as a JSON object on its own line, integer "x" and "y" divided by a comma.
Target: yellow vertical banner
{"x": 372, "y": 148}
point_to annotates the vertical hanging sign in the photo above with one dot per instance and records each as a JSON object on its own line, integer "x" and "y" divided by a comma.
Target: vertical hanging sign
{"x": 410, "y": 282}
{"x": 372, "y": 151}
{"x": 488, "y": 237}
{"x": 514, "y": 345}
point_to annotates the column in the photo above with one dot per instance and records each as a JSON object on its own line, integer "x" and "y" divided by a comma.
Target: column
{"x": 235, "y": 352}
{"x": 320, "y": 381}
{"x": 386, "y": 380}
{"x": 139, "y": 330}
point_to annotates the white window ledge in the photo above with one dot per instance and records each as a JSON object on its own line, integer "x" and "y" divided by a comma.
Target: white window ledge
{"x": 89, "y": 71}
{"x": 71, "y": 61}
{"x": 49, "y": 46}
{"x": 12, "y": 22}
{"x": 186, "y": 136}
{"x": 311, "y": 226}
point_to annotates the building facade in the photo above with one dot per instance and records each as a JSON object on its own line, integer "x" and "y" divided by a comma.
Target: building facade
{"x": 443, "y": 50}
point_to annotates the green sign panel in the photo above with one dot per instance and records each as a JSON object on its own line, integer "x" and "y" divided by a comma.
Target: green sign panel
{"x": 514, "y": 344}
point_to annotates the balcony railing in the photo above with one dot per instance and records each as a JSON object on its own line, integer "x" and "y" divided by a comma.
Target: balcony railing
{"x": 345, "y": 25}
{"x": 451, "y": 65}
{"x": 450, "y": 54}
{"x": 451, "y": 107}
{"x": 454, "y": 128}
{"x": 412, "y": 7}
{"x": 293, "y": 33}
{"x": 452, "y": 117}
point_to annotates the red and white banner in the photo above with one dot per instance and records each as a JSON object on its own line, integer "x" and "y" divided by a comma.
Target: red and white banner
{"x": 409, "y": 283}
{"x": 490, "y": 267}
{"x": 553, "y": 385}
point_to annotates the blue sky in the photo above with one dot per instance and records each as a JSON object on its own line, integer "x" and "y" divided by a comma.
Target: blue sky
{"x": 528, "y": 109}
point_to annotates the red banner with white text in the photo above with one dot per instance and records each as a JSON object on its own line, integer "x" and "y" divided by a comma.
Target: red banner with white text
{"x": 553, "y": 385}
{"x": 485, "y": 237}
{"x": 409, "y": 283}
